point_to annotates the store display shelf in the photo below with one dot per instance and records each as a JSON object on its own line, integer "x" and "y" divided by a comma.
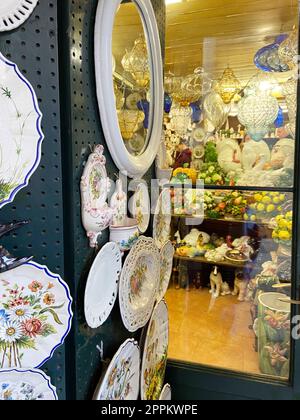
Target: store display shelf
{"x": 231, "y": 188}
{"x": 225, "y": 263}
{"x": 222, "y": 220}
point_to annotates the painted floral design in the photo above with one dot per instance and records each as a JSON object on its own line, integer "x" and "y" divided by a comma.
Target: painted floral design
{"x": 27, "y": 313}
{"x": 95, "y": 183}
{"x": 277, "y": 320}
{"x": 19, "y": 392}
{"x": 154, "y": 377}
{"x": 137, "y": 280}
{"x": 118, "y": 384}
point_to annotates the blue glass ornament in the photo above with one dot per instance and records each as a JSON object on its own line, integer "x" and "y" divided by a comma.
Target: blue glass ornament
{"x": 267, "y": 59}
{"x": 280, "y": 119}
{"x": 196, "y": 117}
{"x": 168, "y": 103}
{"x": 144, "y": 106}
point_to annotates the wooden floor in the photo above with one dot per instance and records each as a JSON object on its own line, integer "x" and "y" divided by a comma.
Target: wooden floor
{"x": 211, "y": 332}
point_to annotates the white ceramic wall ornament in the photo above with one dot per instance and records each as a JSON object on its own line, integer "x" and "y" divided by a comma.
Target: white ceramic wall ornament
{"x": 13, "y": 13}
{"x": 118, "y": 204}
{"x": 96, "y": 214}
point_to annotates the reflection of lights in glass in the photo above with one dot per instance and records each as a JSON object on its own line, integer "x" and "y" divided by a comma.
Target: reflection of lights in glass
{"x": 136, "y": 62}
{"x": 215, "y": 111}
{"x": 172, "y": 83}
{"x": 228, "y": 86}
{"x": 120, "y": 100}
{"x": 181, "y": 118}
{"x": 288, "y": 50}
{"x": 130, "y": 122}
{"x": 257, "y": 112}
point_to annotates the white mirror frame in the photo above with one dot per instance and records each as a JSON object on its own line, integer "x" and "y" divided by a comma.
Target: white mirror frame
{"x": 132, "y": 166}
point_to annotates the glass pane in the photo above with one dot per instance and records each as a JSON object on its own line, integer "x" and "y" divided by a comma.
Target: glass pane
{"x": 132, "y": 77}
{"x": 230, "y": 124}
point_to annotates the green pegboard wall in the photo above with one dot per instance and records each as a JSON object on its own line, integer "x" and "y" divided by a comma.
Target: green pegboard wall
{"x": 34, "y": 48}
{"x": 83, "y": 131}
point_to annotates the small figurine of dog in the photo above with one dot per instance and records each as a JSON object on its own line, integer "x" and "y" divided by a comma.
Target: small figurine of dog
{"x": 240, "y": 285}
{"x": 216, "y": 282}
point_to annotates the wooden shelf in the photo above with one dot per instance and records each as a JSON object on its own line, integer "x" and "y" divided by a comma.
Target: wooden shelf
{"x": 237, "y": 221}
{"x": 225, "y": 263}
{"x": 231, "y": 188}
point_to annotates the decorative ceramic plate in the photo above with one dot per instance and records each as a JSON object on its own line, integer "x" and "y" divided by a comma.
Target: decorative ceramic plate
{"x": 102, "y": 285}
{"x": 13, "y": 13}
{"x": 166, "y": 267}
{"x": 166, "y": 394}
{"x": 236, "y": 257}
{"x": 199, "y": 135}
{"x": 155, "y": 355}
{"x": 122, "y": 378}
{"x": 162, "y": 219}
{"x": 20, "y": 126}
{"x": 141, "y": 207}
{"x": 26, "y": 385}
{"x": 35, "y": 316}
{"x": 139, "y": 283}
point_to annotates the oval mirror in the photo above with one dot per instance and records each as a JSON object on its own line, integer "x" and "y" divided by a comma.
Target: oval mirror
{"x": 129, "y": 78}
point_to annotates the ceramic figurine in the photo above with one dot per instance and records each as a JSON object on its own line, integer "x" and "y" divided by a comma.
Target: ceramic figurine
{"x": 282, "y": 155}
{"x": 240, "y": 285}
{"x": 118, "y": 204}
{"x": 96, "y": 214}
{"x": 216, "y": 282}
{"x": 230, "y": 156}
{"x": 8, "y": 262}
{"x": 195, "y": 238}
{"x": 255, "y": 155}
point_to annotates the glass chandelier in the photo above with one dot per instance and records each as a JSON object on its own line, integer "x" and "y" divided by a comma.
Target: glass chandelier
{"x": 257, "y": 112}
{"x": 290, "y": 92}
{"x": 192, "y": 88}
{"x": 130, "y": 122}
{"x": 181, "y": 118}
{"x": 214, "y": 110}
{"x": 228, "y": 86}
{"x": 288, "y": 50}
{"x": 136, "y": 62}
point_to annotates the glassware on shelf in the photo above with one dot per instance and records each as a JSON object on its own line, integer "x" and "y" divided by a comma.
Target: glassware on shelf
{"x": 267, "y": 58}
{"x": 130, "y": 122}
{"x": 136, "y": 62}
{"x": 228, "y": 86}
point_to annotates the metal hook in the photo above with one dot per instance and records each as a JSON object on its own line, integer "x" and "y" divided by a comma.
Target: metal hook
{"x": 101, "y": 351}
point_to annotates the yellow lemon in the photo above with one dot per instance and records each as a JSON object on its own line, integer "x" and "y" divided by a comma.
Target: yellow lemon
{"x": 275, "y": 235}
{"x": 290, "y": 225}
{"x": 283, "y": 224}
{"x": 282, "y": 197}
{"x": 258, "y": 197}
{"x": 266, "y": 200}
{"x": 253, "y": 218}
{"x": 289, "y": 215}
{"x": 276, "y": 200}
{"x": 246, "y": 217}
{"x": 284, "y": 235}
{"x": 260, "y": 207}
{"x": 270, "y": 208}
{"x": 279, "y": 217}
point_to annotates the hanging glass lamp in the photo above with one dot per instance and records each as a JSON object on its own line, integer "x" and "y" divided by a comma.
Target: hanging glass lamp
{"x": 288, "y": 50}
{"x": 136, "y": 62}
{"x": 228, "y": 86}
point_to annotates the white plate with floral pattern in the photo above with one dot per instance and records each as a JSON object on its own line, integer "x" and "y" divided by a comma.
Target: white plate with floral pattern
{"x": 26, "y": 385}
{"x": 166, "y": 267}
{"x": 35, "y": 316}
{"x": 121, "y": 381}
{"x": 102, "y": 285}
{"x": 162, "y": 219}
{"x": 140, "y": 207}
{"x": 154, "y": 361}
{"x": 21, "y": 134}
{"x": 166, "y": 394}
{"x": 13, "y": 13}
{"x": 139, "y": 283}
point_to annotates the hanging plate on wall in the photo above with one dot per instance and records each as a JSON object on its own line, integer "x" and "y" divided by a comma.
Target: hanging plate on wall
{"x": 155, "y": 354}
{"x": 166, "y": 394}
{"x": 102, "y": 285}
{"x": 166, "y": 266}
{"x": 162, "y": 219}
{"x": 140, "y": 207}
{"x": 122, "y": 379}
{"x": 138, "y": 284}
{"x": 20, "y": 127}
{"x": 13, "y": 13}
{"x": 35, "y": 316}
{"x": 26, "y": 385}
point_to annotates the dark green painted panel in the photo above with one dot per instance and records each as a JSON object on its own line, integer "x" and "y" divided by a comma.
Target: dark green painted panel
{"x": 34, "y": 48}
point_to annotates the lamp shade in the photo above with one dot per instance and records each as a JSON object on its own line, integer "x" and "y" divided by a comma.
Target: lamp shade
{"x": 136, "y": 62}
{"x": 228, "y": 86}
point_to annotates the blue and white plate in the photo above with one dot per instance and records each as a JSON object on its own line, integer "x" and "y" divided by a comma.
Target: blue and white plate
{"x": 21, "y": 136}
{"x": 26, "y": 385}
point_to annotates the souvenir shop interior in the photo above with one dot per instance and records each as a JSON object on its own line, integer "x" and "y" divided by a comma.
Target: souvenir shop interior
{"x": 148, "y": 199}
